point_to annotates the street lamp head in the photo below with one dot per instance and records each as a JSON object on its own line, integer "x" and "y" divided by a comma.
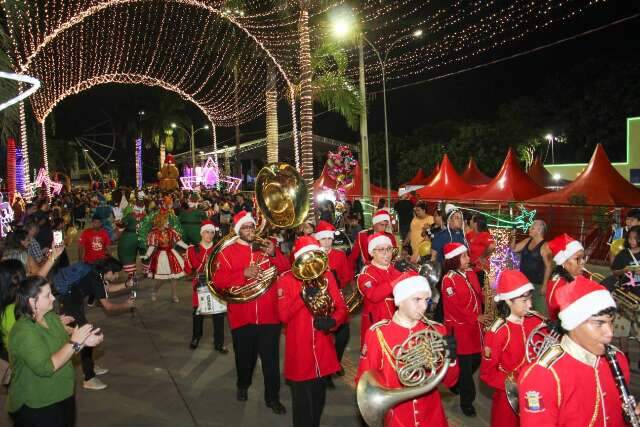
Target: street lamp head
{"x": 556, "y": 177}
{"x": 141, "y": 112}
{"x": 548, "y": 136}
{"x": 173, "y": 125}
{"x": 342, "y": 26}
{"x": 417, "y": 33}
{"x": 205, "y": 127}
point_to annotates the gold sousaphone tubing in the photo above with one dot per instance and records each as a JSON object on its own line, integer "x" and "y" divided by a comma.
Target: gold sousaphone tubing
{"x": 282, "y": 198}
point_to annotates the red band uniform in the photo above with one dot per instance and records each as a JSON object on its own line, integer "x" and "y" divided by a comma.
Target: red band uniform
{"x": 562, "y": 247}
{"x": 195, "y": 263}
{"x": 255, "y": 324}
{"x": 462, "y": 304}
{"x": 568, "y": 385}
{"x": 360, "y": 246}
{"x": 310, "y": 353}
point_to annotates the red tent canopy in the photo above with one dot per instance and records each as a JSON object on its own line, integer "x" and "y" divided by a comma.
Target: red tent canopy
{"x": 446, "y": 184}
{"x": 353, "y": 190}
{"x": 427, "y": 180}
{"x": 473, "y": 175}
{"x": 599, "y": 184}
{"x": 539, "y": 174}
{"x": 417, "y": 179}
{"x": 510, "y": 184}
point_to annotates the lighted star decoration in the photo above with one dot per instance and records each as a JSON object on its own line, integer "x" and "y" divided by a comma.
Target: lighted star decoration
{"x": 6, "y": 217}
{"x": 35, "y": 85}
{"x": 43, "y": 178}
{"x": 524, "y": 221}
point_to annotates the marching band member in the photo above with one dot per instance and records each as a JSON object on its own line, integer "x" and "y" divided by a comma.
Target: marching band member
{"x": 411, "y": 293}
{"x": 195, "y": 263}
{"x": 571, "y": 384}
{"x": 255, "y": 324}
{"x": 374, "y": 283}
{"x": 310, "y": 353}
{"x": 462, "y": 303}
{"x": 342, "y": 272}
{"x": 380, "y": 221}
{"x": 568, "y": 254}
{"x": 506, "y": 340}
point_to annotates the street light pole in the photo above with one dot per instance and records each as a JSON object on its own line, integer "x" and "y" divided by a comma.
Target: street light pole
{"x": 193, "y": 148}
{"x": 364, "y": 131}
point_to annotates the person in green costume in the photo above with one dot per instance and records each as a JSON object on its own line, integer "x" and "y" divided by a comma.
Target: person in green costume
{"x": 191, "y": 220}
{"x": 128, "y": 244}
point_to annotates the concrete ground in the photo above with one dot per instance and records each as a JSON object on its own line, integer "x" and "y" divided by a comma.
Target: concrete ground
{"x": 156, "y": 380}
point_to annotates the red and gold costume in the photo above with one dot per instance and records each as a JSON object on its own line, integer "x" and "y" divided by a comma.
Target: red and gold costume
{"x": 230, "y": 265}
{"x": 309, "y": 353}
{"x": 360, "y": 246}
{"x": 374, "y": 283}
{"x": 166, "y": 263}
{"x": 569, "y": 386}
{"x": 462, "y": 302}
{"x": 425, "y": 410}
{"x": 504, "y": 356}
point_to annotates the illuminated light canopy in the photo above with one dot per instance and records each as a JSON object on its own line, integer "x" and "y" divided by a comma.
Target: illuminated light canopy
{"x": 35, "y": 85}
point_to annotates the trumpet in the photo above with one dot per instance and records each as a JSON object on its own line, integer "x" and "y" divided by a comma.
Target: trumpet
{"x": 626, "y": 300}
{"x": 421, "y": 362}
{"x": 596, "y": 277}
{"x": 490, "y": 306}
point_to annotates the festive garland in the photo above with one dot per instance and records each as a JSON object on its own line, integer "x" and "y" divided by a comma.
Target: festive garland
{"x": 341, "y": 166}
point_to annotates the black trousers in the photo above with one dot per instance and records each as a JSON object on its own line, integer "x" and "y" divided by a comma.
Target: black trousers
{"x": 73, "y": 305}
{"x": 307, "y": 400}
{"x": 251, "y": 341}
{"x": 342, "y": 339}
{"x": 469, "y": 364}
{"x": 218, "y": 327}
{"x": 60, "y": 414}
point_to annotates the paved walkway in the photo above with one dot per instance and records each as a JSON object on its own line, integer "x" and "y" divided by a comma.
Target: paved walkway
{"x": 155, "y": 380}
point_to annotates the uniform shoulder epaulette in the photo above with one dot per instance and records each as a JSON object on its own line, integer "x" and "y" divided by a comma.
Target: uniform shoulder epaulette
{"x": 380, "y": 323}
{"x": 536, "y": 314}
{"x": 497, "y": 324}
{"x": 550, "y": 356}
{"x": 451, "y": 273}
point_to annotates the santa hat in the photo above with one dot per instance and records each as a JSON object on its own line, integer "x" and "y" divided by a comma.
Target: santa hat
{"x": 377, "y": 239}
{"x": 452, "y": 250}
{"x": 580, "y": 300}
{"x": 563, "y": 247}
{"x": 241, "y": 218}
{"x": 305, "y": 244}
{"x": 379, "y": 216}
{"x": 208, "y": 226}
{"x": 169, "y": 160}
{"x": 512, "y": 284}
{"x": 407, "y": 284}
{"x": 325, "y": 230}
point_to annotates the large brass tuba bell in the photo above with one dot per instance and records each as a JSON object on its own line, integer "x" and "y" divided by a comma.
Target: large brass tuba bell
{"x": 310, "y": 267}
{"x": 281, "y": 198}
{"x": 422, "y": 361}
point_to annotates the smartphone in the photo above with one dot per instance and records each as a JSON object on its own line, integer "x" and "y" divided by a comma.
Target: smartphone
{"x": 57, "y": 238}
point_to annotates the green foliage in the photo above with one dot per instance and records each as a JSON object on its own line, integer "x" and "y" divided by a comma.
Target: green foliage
{"x": 156, "y": 127}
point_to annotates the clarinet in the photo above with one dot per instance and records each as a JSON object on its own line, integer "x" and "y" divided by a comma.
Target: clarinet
{"x": 628, "y": 401}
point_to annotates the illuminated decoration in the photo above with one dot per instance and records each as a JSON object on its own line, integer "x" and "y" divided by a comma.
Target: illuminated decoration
{"x": 215, "y": 154}
{"x": 139, "y": 163}
{"x": 524, "y": 221}
{"x": 19, "y": 172}
{"x": 502, "y": 257}
{"x": 207, "y": 176}
{"x": 11, "y": 168}
{"x": 35, "y": 85}
{"x": 51, "y": 187}
{"x": 6, "y": 217}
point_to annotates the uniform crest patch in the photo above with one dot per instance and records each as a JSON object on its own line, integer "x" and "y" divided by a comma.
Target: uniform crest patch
{"x": 280, "y": 293}
{"x": 450, "y": 291}
{"x": 368, "y": 285}
{"x": 487, "y": 352}
{"x": 533, "y": 401}
{"x": 363, "y": 352}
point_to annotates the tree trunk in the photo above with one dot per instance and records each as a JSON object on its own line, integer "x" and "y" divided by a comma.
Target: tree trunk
{"x": 162, "y": 152}
{"x": 271, "y": 96}
{"x": 306, "y": 105}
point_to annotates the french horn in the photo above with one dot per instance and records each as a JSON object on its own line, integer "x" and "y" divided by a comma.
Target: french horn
{"x": 281, "y": 200}
{"x": 421, "y": 362}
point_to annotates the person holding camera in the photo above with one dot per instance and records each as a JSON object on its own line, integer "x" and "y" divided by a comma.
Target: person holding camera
{"x": 42, "y": 384}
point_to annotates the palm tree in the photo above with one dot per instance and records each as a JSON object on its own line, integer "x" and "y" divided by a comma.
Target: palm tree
{"x": 306, "y": 100}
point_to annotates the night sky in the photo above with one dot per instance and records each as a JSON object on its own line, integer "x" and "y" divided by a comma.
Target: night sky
{"x": 474, "y": 95}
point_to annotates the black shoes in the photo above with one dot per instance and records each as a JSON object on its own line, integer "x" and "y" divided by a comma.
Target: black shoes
{"x": 330, "y": 384}
{"x": 194, "y": 342}
{"x": 276, "y": 407}
{"x": 241, "y": 395}
{"x": 221, "y": 349}
{"x": 468, "y": 411}
{"x": 340, "y": 373}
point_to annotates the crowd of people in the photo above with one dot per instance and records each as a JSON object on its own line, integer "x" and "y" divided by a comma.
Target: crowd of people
{"x": 260, "y": 284}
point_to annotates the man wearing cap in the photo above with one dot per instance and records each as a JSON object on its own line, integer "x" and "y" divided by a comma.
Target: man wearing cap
{"x": 380, "y": 221}
{"x": 504, "y": 352}
{"x": 195, "y": 263}
{"x": 571, "y": 384}
{"x": 374, "y": 283}
{"x": 411, "y": 293}
{"x": 462, "y": 304}
{"x": 568, "y": 255}
{"x": 342, "y": 273}
{"x": 310, "y": 353}
{"x": 255, "y": 324}
{"x": 453, "y": 232}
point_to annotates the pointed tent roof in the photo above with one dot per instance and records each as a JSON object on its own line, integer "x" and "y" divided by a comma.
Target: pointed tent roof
{"x": 473, "y": 175}
{"x": 427, "y": 180}
{"x": 600, "y": 184}
{"x": 353, "y": 190}
{"x": 510, "y": 184}
{"x": 446, "y": 184}
{"x": 539, "y": 174}
{"x": 417, "y": 178}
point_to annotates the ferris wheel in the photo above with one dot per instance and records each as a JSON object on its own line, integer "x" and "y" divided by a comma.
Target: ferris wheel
{"x": 97, "y": 143}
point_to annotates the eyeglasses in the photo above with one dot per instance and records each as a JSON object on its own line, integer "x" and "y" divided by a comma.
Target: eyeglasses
{"x": 248, "y": 227}
{"x": 382, "y": 250}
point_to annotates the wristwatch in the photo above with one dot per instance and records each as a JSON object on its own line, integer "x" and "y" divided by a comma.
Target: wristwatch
{"x": 76, "y": 346}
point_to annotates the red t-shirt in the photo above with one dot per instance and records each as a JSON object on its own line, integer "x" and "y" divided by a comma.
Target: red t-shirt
{"x": 478, "y": 243}
{"x": 95, "y": 244}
